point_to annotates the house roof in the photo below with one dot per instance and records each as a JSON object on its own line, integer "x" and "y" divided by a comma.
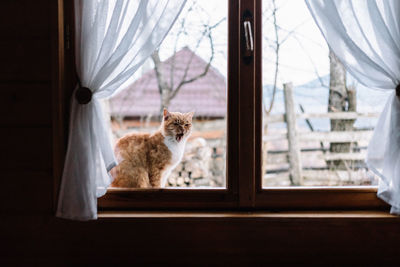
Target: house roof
{"x": 206, "y": 96}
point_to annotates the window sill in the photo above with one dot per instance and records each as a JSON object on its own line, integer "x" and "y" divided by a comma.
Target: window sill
{"x": 284, "y": 215}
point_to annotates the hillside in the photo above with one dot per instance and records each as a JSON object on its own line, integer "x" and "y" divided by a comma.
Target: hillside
{"x": 314, "y": 98}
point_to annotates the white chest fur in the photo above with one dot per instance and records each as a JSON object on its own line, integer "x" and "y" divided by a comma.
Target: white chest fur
{"x": 177, "y": 149}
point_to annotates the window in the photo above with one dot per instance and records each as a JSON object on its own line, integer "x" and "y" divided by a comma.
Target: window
{"x": 187, "y": 73}
{"x": 317, "y": 119}
{"x": 245, "y": 185}
{"x": 194, "y": 53}
{"x": 314, "y": 140}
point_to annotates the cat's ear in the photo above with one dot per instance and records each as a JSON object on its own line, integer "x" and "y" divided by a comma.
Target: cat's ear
{"x": 166, "y": 114}
{"x": 189, "y": 115}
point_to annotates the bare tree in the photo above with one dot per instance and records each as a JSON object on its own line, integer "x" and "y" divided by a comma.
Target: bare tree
{"x": 276, "y": 44}
{"x": 170, "y": 87}
{"x": 341, "y": 98}
{"x": 279, "y": 36}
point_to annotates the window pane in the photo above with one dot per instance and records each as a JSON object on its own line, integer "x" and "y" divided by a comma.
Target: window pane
{"x": 317, "y": 119}
{"x": 186, "y": 74}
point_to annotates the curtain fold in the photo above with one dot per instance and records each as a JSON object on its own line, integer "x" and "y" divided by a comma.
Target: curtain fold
{"x": 365, "y": 36}
{"x": 112, "y": 40}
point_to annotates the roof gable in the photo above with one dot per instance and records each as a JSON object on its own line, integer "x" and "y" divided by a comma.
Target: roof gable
{"x": 206, "y": 96}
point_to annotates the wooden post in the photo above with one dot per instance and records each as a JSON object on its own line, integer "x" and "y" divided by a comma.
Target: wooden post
{"x": 294, "y": 148}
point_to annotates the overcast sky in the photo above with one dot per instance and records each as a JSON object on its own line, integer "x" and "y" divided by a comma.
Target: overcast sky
{"x": 301, "y": 55}
{"x": 305, "y": 50}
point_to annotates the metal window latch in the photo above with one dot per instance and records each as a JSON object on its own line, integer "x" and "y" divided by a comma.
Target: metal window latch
{"x": 248, "y": 36}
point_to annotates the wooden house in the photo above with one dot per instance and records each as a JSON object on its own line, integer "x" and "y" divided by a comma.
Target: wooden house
{"x": 205, "y": 96}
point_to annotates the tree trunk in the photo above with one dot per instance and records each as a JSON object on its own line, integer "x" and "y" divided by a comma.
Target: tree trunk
{"x": 163, "y": 87}
{"x": 340, "y": 99}
{"x": 165, "y": 100}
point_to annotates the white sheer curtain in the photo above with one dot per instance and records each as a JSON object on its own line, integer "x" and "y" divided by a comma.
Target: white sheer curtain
{"x": 112, "y": 40}
{"x": 365, "y": 36}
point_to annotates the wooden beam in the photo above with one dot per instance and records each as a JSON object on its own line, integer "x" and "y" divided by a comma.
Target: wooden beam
{"x": 274, "y": 118}
{"x": 294, "y": 148}
{"x": 350, "y": 136}
{"x": 282, "y": 158}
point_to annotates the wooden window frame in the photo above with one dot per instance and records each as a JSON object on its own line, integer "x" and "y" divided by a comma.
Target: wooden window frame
{"x": 295, "y": 198}
{"x": 244, "y": 189}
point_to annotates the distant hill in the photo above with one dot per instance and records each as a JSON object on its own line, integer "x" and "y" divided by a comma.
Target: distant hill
{"x": 314, "y": 98}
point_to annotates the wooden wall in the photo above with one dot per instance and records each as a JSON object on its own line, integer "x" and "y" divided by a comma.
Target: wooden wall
{"x": 29, "y": 233}
{"x": 25, "y": 106}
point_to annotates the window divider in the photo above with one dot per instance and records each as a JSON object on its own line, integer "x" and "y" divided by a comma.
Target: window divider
{"x": 247, "y": 130}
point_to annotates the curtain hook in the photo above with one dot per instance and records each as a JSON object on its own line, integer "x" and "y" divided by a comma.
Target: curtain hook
{"x": 83, "y": 94}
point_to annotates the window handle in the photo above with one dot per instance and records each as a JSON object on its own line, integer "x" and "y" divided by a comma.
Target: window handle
{"x": 248, "y": 46}
{"x": 248, "y": 34}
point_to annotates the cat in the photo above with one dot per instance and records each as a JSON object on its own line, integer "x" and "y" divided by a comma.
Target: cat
{"x": 146, "y": 160}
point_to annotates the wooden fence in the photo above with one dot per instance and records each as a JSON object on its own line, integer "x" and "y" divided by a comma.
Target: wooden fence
{"x": 304, "y": 161}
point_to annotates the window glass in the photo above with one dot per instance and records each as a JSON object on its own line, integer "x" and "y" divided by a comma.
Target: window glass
{"x": 317, "y": 119}
{"x": 186, "y": 74}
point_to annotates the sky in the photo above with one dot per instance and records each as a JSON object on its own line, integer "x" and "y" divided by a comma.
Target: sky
{"x": 196, "y": 14}
{"x": 303, "y": 52}
{"x": 303, "y": 55}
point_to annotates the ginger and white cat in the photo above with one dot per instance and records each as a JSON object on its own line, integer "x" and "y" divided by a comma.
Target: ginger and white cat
{"x": 146, "y": 160}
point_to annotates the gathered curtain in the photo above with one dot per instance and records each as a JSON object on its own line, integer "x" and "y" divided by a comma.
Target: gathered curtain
{"x": 112, "y": 40}
{"x": 365, "y": 36}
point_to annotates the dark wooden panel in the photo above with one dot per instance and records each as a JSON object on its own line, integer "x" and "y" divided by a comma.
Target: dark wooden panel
{"x": 26, "y": 149}
{"x": 25, "y": 18}
{"x": 59, "y": 100}
{"x": 118, "y": 199}
{"x": 319, "y": 198}
{"x": 25, "y": 104}
{"x": 26, "y": 192}
{"x": 25, "y": 60}
{"x": 202, "y": 241}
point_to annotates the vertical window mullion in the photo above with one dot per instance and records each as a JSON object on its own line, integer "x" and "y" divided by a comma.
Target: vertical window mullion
{"x": 258, "y": 95}
{"x": 246, "y": 104}
{"x": 233, "y": 97}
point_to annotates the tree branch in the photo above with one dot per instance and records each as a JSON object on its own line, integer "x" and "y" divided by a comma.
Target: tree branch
{"x": 277, "y": 46}
{"x": 208, "y": 32}
{"x": 162, "y": 84}
{"x": 181, "y": 30}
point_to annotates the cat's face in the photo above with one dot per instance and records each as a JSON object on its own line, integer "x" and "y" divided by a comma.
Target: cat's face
{"x": 177, "y": 125}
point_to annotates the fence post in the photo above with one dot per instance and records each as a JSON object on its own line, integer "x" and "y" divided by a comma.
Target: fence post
{"x": 294, "y": 148}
